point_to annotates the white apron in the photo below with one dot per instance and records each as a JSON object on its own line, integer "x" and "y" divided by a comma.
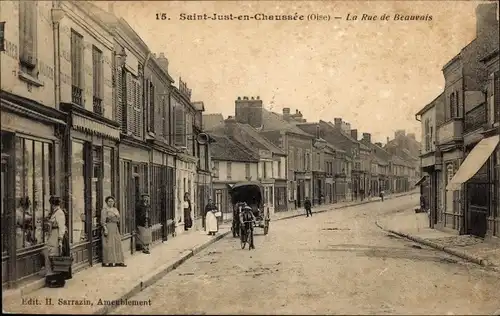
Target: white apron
{"x": 211, "y": 222}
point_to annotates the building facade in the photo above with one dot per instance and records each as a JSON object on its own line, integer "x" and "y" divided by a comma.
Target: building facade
{"x": 186, "y": 160}
{"x": 32, "y": 129}
{"x": 232, "y": 163}
{"x": 430, "y": 183}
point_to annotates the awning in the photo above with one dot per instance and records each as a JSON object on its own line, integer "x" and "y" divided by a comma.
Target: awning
{"x": 474, "y": 161}
{"x": 420, "y": 181}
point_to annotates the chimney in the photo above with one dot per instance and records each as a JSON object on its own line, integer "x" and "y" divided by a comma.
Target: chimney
{"x": 163, "y": 61}
{"x": 486, "y": 20}
{"x": 249, "y": 111}
{"x": 318, "y": 133}
{"x": 286, "y": 114}
{"x": 387, "y": 140}
{"x": 230, "y": 126}
{"x": 367, "y": 137}
{"x": 337, "y": 122}
{"x": 354, "y": 134}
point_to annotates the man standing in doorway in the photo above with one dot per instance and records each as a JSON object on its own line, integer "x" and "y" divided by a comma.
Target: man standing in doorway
{"x": 143, "y": 211}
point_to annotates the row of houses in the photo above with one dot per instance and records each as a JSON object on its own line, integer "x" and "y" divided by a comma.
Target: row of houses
{"x": 89, "y": 111}
{"x": 460, "y": 155}
{"x": 294, "y": 159}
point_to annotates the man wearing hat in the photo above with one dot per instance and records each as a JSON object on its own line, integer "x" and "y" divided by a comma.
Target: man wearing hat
{"x": 143, "y": 211}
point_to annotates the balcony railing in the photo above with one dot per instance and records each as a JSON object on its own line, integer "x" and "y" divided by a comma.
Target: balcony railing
{"x": 475, "y": 118}
{"x": 97, "y": 108}
{"x": 76, "y": 95}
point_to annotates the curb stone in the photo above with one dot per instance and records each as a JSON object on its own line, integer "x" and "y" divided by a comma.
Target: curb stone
{"x": 153, "y": 277}
{"x": 345, "y": 206}
{"x": 457, "y": 253}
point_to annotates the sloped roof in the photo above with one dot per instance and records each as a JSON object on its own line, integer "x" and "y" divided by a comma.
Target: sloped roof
{"x": 212, "y": 120}
{"x": 228, "y": 150}
{"x": 344, "y": 135}
{"x": 331, "y": 141}
{"x": 274, "y": 121}
{"x": 261, "y": 139}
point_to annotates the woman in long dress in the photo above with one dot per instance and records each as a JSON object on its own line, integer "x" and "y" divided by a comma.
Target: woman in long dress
{"x": 210, "y": 218}
{"x": 112, "y": 251}
{"x": 188, "y": 222}
{"x": 57, "y": 243}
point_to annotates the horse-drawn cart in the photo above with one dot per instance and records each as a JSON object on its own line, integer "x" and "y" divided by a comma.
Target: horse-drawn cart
{"x": 251, "y": 193}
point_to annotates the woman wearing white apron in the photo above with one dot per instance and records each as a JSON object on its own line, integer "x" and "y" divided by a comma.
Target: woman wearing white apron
{"x": 211, "y": 218}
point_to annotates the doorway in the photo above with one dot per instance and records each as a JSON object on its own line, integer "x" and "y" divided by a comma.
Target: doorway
{"x": 478, "y": 197}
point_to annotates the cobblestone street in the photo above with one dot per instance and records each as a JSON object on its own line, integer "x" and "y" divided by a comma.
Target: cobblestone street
{"x": 333, "y": 263}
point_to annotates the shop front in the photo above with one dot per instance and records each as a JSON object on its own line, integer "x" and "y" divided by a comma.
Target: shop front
{"x": 204, "y": 190}
{"x": 319, "y": 187}
{"x": 30, "y": 157}
{"x": 161, "y": 191}
{"x": 185, "y": 169}
{"x": 280, "y": 195}
{"x": 90, "y": 145}
{"x": 134, "y": 180}
{"x": 476, "y": 176}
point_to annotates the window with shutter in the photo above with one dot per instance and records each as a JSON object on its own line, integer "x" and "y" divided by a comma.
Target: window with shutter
{"x": 130, "y": 112}
{"x": 151, "y": 107}
{"x": 496, "y": 95}
{"x": 76, "y": 68}
{"x": 28, "y": 36}
{"x": 180, "y": 125}
{"x": 165, "y": 118}
{"x": 138, "y": 113}
{"x": 98, "y": 83}
{"x": 121, "y": 98}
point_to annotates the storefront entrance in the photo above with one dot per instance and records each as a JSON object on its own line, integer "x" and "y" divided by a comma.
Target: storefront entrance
{"x": 91, "y": 182}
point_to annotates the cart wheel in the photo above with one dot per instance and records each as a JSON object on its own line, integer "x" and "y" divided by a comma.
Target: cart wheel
{"x": 266, "y": 228}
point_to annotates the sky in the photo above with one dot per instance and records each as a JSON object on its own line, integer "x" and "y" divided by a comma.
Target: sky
{"x": 374, "y": 74}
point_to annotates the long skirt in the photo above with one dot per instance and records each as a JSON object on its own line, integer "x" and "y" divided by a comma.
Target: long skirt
{"x": 211, "y": 222}
{"x": 112, "y": 251}
{"x": 145, "y": 236}
{"x": 188, "y": 222}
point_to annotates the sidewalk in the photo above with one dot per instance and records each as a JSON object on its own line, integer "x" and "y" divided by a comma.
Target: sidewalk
{"x": 415, "y": 227}
{"x": 329, "y": 207}
{"x": 99, "y": 283}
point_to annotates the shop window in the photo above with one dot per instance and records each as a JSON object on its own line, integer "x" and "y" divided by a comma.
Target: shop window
{"x": 96, "y": 189}
{"x": 78, "y": 192}
{"x": 33, "y": 190}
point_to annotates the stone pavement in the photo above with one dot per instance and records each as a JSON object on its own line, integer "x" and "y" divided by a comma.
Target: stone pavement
{"x": 110, "y": 284}
{"x": 415, "y": 227}
{"x": 328, "y": 207}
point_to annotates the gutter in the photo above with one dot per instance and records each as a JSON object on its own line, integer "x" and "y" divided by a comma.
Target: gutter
{"x": 56, "y": 15}
{"x": 416, "y": 118}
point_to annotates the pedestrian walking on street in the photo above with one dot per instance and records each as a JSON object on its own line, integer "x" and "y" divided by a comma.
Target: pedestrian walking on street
{"x": 142, "y": 221}
{"x": 112, "y": 251}
{"x": 211, "y": 218}
{"x": 307, "y": 206}
{"x": 57, "y": 243}
{"x": 382, "y": 195}
{"x": 188, "y": 222}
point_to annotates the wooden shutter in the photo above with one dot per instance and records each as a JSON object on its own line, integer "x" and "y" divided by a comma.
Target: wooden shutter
{"x": 27, "y": 32}
{"x": 130, "y": 87}
{"x": 165, "y": 118}
{"x": 137, "y": 109}
{"x": 180, "y": 125}
{"x": 496, "y": 95}
{"x": 121, "y": 98}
